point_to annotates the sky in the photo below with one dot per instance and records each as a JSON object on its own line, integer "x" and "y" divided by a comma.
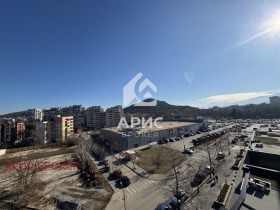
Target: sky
{"x": 58, "y": 53}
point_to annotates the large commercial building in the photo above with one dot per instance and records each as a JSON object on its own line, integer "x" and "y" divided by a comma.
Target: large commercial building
{"x": 113, "y": 116}
{"x": 95, "y": 117}
{"x": 127, "y": 138}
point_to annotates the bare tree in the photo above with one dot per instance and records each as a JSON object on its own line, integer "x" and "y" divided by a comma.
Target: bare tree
{"x": 157, "y": 159}
{"x": 25, "y": 191}
{"x": 181, "y": 174}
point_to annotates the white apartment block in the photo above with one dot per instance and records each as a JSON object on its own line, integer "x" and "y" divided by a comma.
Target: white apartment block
{"x": 113, "y": 116}
{"x": 95, "y": 117}
{"x": 35, "y": 115}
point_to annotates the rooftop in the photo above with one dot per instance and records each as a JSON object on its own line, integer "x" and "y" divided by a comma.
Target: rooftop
{"x": 146, "y": 129}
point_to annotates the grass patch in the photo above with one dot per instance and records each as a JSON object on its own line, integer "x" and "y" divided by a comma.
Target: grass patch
{"x": 274, "y": 183}
{"x": 147, "y": 159}
{"x": 269, "y": 140}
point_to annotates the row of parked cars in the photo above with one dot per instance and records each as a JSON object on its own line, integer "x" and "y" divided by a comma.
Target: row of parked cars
{"x": 178, "y": 138}
{"x": 209, "y": 137}
{"x": 165, "y": 141}
{"x": 174, "y": 202}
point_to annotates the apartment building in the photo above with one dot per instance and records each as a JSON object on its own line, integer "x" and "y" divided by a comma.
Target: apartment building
{"x": 274, "y": 100}
{"x": 19, "y": 131}
{"x": 78, "y": 112}
{"x": 34, "y": 115}
{"x": 41, "y": 132}
{"x": 64, "y": 126}
{"x": 7, "y": 130}
{"x": 57, "y": 129}
{"x": 95, "y": 117}
{"x": 113, "y": 116}
{"x": 50, "y": 114}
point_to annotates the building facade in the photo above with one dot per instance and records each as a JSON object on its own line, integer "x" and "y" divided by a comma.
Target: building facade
{"x": 274, "y": 100}
{"x": 95, "y": 118}
{"x": 34, "y": 115}
{"x": 41, "y": 132}
{"x": 126, "y": 138}
{"x": 64, "y": 126}
{"x": 113, "y": 116}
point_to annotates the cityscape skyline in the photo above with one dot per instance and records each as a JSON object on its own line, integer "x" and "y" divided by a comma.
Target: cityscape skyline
{"x": 201, "y": 56}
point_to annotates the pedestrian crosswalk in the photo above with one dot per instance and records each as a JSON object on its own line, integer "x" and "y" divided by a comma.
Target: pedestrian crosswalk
{"x": 138, "y": 186}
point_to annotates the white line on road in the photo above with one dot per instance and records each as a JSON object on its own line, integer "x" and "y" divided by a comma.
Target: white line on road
{"x": 135, "y": 187}
{"x": 132, "y": 189}
{"x": 129, "y": 192}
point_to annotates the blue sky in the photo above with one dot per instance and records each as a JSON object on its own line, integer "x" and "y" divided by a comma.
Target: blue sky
{"x": 63, "y": 52}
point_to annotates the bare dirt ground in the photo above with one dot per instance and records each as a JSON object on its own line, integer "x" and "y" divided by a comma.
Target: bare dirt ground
{"x": 63, "y": 185}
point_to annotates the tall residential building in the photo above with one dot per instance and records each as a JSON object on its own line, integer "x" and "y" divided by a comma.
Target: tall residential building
{"x": 50, "y": 114}
{"x": 78, "y": 112}
{"x": 274, "y": 100}
{"x": 64, "y": 126}
{"x": 95, "y": 117}
{"x": 41, "y": 132}
{"x": 45, "y": 132}
{"x": 8, "y": 131}
{"x": 34, "y": 115}
{"x": 19, "y": 131}
{"x": 113, "y": 116}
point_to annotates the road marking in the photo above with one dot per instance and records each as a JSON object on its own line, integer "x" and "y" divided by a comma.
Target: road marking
{"x": 129, "y": 192}
{"x": 132, "y": 189}
{"x": 148, "y": 181}
{"x": 135, "y": 187}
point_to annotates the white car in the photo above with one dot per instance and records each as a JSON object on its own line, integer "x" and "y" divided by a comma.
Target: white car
{"x": 188, "y": 151}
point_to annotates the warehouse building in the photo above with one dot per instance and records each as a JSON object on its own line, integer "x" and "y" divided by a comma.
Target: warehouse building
{"x": 127, "y": 138}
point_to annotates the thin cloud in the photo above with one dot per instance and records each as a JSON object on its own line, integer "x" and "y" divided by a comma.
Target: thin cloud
{"x": 237, "y": 97}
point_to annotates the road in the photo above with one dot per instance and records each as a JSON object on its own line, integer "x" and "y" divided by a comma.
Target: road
{"x": 142, "y": 193}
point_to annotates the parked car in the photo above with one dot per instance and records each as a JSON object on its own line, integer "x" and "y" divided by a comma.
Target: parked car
{"x": 177, "y": 138}
{"x": 188, "y": 151}
{"x": 181, "y": 195}
{"x": 163, "y": 206}
{"x": 125, "y": 181}
{"x": 202, "y": 174}
{"x": 175, "y": 202}
{"x": 161, "y": 142}
{"x": 187, "y": 135}
{"x": 104, "y": 162}
{"x": 165, "y": 141}
{"x": 198, "y": 132}
{"x": 105, "y": 169}
{"x": 172, "y": 140}
{"x": 220, "y": 155}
